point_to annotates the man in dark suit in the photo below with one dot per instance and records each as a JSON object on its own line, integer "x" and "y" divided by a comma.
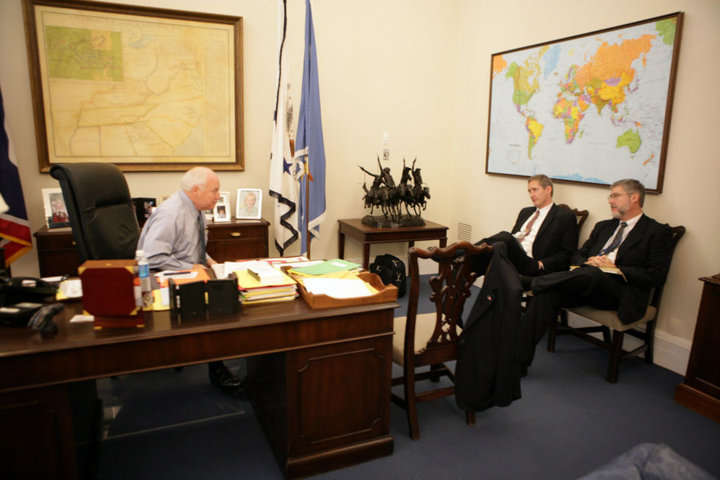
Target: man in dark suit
{"x": 618, "y": 266}
{"x": 544, "y": 236}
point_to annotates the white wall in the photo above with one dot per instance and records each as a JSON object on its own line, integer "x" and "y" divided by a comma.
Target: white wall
{"x": 690, "y": 195}
{"x": 419, "y": 70}
{"x": 383, "y": 67}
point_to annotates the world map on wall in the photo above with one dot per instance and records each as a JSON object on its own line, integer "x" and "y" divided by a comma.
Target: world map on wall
{"x": 590, "y": 109}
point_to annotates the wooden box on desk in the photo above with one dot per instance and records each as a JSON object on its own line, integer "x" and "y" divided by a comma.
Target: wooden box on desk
{"x": 385, "y": 293}
{"x": 109, "y": 292}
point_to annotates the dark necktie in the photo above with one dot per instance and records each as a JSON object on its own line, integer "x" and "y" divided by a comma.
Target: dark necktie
{"x": 201, "y": 227}
{"x": 616, "y": 241}
{"x": 529, "y": 226}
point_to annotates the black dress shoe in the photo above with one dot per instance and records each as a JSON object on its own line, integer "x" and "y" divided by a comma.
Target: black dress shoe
{"x": 222, "y": 378}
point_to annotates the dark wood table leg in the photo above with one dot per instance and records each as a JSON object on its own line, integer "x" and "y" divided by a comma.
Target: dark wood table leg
{"x": 366, "y": 255}
{"x": 443, "y": 242}
{"x": 341, "y": 245}
{"x": 411, "y": 244}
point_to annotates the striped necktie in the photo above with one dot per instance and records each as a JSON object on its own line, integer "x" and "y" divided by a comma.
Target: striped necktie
{"x": 616, "y": 241}
{"x": 201, "y": 227}
{"x": 528, "y": 227}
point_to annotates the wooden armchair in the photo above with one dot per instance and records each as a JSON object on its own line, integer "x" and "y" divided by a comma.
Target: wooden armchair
{"x": 431, "y": 339}
{"x": 581, "y": 215}
{"x": 608, "y": 320}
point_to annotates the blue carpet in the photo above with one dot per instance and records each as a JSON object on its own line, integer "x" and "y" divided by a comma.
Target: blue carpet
{"x": 568, "y": 422}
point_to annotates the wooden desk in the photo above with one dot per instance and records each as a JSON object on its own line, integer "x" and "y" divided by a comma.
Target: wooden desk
{"x": 354, "y": 228}
{"x": 700, "y": 391}
{"x": 321, "y": 383}
{"x": 227, "y": 241}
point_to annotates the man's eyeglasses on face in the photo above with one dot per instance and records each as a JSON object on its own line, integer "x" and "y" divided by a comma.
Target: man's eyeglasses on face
{"x": 615, "y": 195}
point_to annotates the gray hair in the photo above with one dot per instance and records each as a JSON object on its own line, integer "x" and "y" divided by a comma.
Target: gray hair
{"x": 630, "y": 185}
{"x": 195, "y": 176}
{"x": 544, "y": 182}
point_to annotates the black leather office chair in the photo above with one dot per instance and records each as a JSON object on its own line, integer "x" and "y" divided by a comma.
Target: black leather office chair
{"x": 102, "y": 215}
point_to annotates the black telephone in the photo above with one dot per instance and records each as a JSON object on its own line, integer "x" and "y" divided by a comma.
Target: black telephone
{"x": 21, "y": 297}
{"x": 25, "y": 289}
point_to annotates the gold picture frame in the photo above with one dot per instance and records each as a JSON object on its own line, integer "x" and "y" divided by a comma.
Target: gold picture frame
{"x": 147, "y": 89}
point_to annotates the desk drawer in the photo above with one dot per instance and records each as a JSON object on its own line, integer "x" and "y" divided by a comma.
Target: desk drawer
{"x": 236, "y": 232}
{"x": 56, "y": 252}
{"x": 237, "y": 239}
{"x": 55, "y": 240}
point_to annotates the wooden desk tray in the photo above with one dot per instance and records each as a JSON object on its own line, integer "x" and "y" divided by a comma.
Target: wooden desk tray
{"x": 386, "y": 293}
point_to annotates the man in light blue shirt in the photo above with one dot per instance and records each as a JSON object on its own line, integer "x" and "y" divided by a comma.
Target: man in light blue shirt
{"x": 174, "y": 237}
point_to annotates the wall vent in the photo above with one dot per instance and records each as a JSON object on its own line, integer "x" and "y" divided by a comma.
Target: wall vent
{"x": 464, "y": 232}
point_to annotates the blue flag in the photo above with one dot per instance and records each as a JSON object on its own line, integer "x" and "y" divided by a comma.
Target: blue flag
{"x": 14, "y": 227}
{"x": 283, "y": 168}
{"x": 309, "y": 145}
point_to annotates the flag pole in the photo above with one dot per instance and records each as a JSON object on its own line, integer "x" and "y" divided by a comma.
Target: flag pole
{"x": 307, "y": 207}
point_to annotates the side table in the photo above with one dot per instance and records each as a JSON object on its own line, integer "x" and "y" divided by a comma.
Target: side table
{"x": 700, "y": 391}
{"x": 354, "y": 228}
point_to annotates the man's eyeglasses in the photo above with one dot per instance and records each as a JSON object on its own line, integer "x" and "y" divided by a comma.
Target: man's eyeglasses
{"x": 615, "y": 195}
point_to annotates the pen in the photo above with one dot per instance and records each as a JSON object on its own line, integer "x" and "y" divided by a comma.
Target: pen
{"x": 170, "y": 274}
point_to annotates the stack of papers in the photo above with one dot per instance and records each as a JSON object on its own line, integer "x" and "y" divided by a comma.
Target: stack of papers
{"x": 264, "y": 284}
{"x": 223, "y": 270}
{"x": 338, "y": 287}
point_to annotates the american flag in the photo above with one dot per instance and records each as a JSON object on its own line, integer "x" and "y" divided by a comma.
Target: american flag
{"x": 14, "y": 227}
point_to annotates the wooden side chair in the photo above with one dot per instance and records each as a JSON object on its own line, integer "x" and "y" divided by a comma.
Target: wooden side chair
{"x": 581, "y": 215}
{"x": 608, "y": 320}
{"x": 430, "y": 340}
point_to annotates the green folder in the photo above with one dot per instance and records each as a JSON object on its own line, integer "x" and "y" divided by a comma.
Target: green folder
{"x": 328, "y": 266}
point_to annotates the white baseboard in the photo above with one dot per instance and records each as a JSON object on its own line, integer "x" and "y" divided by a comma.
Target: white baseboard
{"x": 671, "y": 352}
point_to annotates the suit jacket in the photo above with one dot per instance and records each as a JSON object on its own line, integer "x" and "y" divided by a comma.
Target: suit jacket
{"x": 557, "y": 238}
{"x": 643, "y": 257}
{"x": 487, "y": 372}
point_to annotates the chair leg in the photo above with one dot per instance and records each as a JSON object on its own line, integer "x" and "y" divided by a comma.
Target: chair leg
{"x": 409, "y": 388}
{"x": 470, "y": 417}
{"x": 435, "y": 378}
{"x": 606, "y": 334}
{"x": 650, "y": 342}
{"x": 552, "y": 333}
{"x": 615, "y": 353}
{"x": 563, "y": 318}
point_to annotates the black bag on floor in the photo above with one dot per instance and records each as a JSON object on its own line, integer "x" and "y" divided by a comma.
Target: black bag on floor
{"x": 391, "y": 270}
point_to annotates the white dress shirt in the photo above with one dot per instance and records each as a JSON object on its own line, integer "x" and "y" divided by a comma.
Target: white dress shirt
{"x": 527, "y": 242}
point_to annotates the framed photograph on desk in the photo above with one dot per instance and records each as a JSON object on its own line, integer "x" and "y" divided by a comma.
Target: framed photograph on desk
{"x": 221, "y": 212}
{"x": 249, "y": 204}
{"x": 56, "y": 214}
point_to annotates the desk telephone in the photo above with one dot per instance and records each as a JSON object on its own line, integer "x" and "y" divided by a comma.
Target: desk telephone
{"x": 21, "y": 297}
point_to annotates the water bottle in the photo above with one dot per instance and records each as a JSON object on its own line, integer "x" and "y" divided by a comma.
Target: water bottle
{"x": 144, "y": 277}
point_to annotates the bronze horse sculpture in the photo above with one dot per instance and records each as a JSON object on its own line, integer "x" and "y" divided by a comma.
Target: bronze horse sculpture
{"x": 391, "y": 198}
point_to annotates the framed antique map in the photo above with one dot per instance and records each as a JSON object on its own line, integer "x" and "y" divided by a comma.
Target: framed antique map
{"x": 144, "y": 88}
{"x": 593, "y": 108}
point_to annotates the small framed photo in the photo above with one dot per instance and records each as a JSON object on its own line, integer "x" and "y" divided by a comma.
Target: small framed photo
{"x": 249, "y": 203}
{"x": 56, "y": 214}
{"x": 221, "y": 212}
{"x": 144, "y": 207}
